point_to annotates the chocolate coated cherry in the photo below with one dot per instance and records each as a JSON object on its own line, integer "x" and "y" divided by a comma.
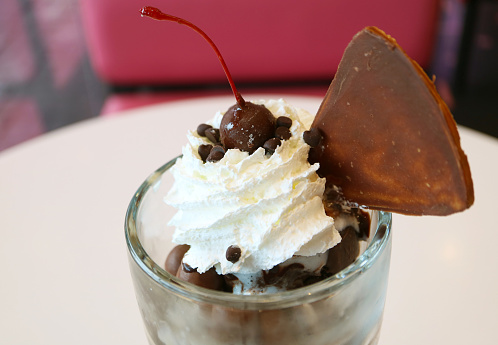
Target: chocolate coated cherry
{"x": 246, "y": 127}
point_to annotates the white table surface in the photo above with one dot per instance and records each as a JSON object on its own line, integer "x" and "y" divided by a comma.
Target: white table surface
{"x": 63, "y": 265}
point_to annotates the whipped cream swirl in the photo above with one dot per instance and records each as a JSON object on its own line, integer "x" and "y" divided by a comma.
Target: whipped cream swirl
{"x": 270, "y": 206}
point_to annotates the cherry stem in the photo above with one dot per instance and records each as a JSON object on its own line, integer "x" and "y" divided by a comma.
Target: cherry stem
{"x": 156, "y": 14}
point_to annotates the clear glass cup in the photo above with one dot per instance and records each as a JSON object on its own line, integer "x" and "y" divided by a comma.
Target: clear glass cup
{"x": 344, "y": 309}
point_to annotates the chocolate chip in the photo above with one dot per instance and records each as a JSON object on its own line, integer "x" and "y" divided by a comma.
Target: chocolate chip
{"x": 216, "y": 154}
{"x": 233, "y": 254}
{"x": 213, "y": 134}
{"x": 312, "y": 137}
{"x": 271, "y": 145}
{"x": 204, "y": 151}
{"x": 284, "y": 121}
{"x": 202, "y": 128}
{"x": 283, "y": 133}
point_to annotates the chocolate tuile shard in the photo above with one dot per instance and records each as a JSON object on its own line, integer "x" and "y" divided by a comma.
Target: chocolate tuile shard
{"x": 389, "y": 140}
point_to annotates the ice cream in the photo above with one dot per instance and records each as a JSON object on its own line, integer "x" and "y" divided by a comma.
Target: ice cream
{"x": 268, "y": 206}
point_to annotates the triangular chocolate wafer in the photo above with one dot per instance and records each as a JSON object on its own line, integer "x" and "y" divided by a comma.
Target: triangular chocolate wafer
{"x": 390, "y": 141}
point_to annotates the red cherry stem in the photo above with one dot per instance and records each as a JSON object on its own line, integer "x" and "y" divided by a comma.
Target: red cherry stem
{"x": 156, "y": 14}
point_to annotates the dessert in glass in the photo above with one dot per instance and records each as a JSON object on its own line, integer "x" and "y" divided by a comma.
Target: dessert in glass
{"x": 281, "y": 219}
{"x": 345, "y": 308}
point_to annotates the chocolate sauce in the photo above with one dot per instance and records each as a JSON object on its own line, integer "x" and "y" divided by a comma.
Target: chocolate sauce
{"x": 344, "y": 253}
{"x": 272, "y": 276}
{"x": 363, "y": 224}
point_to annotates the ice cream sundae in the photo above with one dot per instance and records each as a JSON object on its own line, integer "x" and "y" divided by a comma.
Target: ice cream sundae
{"x": 273, "y": 200}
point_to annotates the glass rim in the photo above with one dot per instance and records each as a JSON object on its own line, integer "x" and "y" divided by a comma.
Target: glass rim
{"x": 307, "y": 294}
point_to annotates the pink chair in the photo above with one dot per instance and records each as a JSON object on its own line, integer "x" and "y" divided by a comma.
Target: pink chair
{"x": 20, "y": 117}
{"x": 263, "y": 42}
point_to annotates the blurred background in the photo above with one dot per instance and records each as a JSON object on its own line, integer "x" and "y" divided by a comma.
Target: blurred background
{"x": 64, "y": 61}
